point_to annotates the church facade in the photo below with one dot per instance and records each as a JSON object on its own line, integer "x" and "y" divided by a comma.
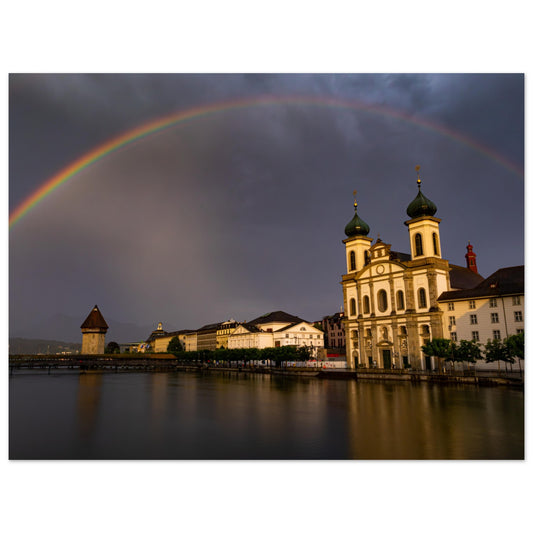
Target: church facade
{"x": 391, "y": 298}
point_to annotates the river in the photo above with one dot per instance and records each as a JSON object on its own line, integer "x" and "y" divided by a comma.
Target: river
{"x": 68, "y": 415}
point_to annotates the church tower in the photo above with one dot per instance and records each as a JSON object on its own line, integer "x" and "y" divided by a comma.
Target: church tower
{"x": 357, "y": 247}
{"x": 429, "y": 276}
{"x": 423, "y": 226}
{"x": 357, "y": 243}
{"x": 470, "y": 257}
{"x": 93, "y": 333}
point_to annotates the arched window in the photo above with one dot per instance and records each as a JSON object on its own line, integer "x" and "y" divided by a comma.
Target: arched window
{"x": 403, "y": 330}
{"x": 382, "y": 300}
{"x": 436, "y": 244}
{"x": 425, "y": 329}
{"x": 400, "y": 304}
{"x": 419, "y": 250}
{"x": 367, "y": 257}
{"x": 352, "y": 260}
{"x": 352, "y": 307}
{"x": 422, "y": 302}
{"x": 366, "y": 304}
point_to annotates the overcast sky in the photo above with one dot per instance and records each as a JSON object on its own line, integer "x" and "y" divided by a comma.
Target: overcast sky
{"x": 238, "y": 213}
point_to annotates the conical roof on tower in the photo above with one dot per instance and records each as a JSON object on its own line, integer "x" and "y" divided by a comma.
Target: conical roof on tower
{"x": 95, "y": 320}
{"x": 421, "y": 206}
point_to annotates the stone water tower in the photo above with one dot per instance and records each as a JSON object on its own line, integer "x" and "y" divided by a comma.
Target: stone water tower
{"x": 93, "y": 333}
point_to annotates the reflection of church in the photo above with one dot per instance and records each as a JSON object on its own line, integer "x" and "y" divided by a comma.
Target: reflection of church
{"x": 390, "y": 298}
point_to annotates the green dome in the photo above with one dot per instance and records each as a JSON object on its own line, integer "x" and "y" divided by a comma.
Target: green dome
{"x": 356, "y": 226}
{"x": 421, "y": 206}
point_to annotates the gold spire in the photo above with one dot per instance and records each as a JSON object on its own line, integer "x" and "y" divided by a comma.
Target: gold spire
{"x": 418, "y": 181}
{"x": 354, "y": 199}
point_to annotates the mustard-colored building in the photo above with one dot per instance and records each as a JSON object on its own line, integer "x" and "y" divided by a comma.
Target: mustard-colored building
{"x": 159, "y": 339}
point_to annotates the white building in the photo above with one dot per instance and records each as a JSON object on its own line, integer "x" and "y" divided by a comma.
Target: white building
{"x": 494, "y": 309}
{"x": 274, "y": 330}
{"x": 249, "y": 336}
{"x": 300, "y": 334}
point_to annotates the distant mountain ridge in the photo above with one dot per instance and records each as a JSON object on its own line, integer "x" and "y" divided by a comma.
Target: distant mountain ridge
{"x": 18, "y": 346}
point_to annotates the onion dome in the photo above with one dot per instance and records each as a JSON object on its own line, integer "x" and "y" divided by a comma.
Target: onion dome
{"x": 356, "y": 226}
{"x": 421, "y": 206}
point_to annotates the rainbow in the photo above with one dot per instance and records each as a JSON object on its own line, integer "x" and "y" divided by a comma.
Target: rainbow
{"x": 169, "y": 121}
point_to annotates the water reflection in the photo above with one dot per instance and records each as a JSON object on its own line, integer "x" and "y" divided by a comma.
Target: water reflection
{"x": 400, "y": 421}
{"x": 88, "y": 401}
{"x": 242, "y": 416}
{"x": 158, "y": 395}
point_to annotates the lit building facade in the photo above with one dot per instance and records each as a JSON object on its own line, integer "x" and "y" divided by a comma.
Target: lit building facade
{"x": 391, "y": 298}
{"x": 160, "y": 343}
{"x": 494, "y": 309}
{"x": 224, "y": 330}
{"x": 334, "y": 334}
{"x": 277, "y": 329}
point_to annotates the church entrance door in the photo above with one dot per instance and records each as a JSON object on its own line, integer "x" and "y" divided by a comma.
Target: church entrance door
{"x": 386, "y": 359}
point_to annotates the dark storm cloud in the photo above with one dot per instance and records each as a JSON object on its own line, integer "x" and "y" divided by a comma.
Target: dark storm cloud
{"x": 240, "y": 213}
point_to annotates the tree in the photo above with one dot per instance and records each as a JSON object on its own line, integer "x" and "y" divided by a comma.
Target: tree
{"x": 303, "y": 353}
{"x": 441, "y": 348}
{"x": 468, "y": 351}
{"x": 112, "y": 347}
{"x": 174, "y": 346}
{"x": 515, "y": 347}
{"x": 496, "y": 350}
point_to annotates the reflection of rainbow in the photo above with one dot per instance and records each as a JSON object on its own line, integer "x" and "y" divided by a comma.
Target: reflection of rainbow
{"x": 176, "y": 118}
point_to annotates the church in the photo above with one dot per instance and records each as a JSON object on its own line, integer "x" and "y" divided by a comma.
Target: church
{"x": 391, "y": 299}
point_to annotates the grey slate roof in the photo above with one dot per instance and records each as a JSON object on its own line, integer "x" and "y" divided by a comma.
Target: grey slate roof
{"x": 209, "y": 327}
{"x": 504, "y": 282}
{"x": 161, "y": 333}
{"x": 400, "y": 256}
{"x": 463, "y": 278}
{"x": 180, "y": 332}
{"x": 157, "y": 333}
{"x": 292, "y": 325}
{"x": 275, "y": 316}
{"x": 251, "y": 328}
